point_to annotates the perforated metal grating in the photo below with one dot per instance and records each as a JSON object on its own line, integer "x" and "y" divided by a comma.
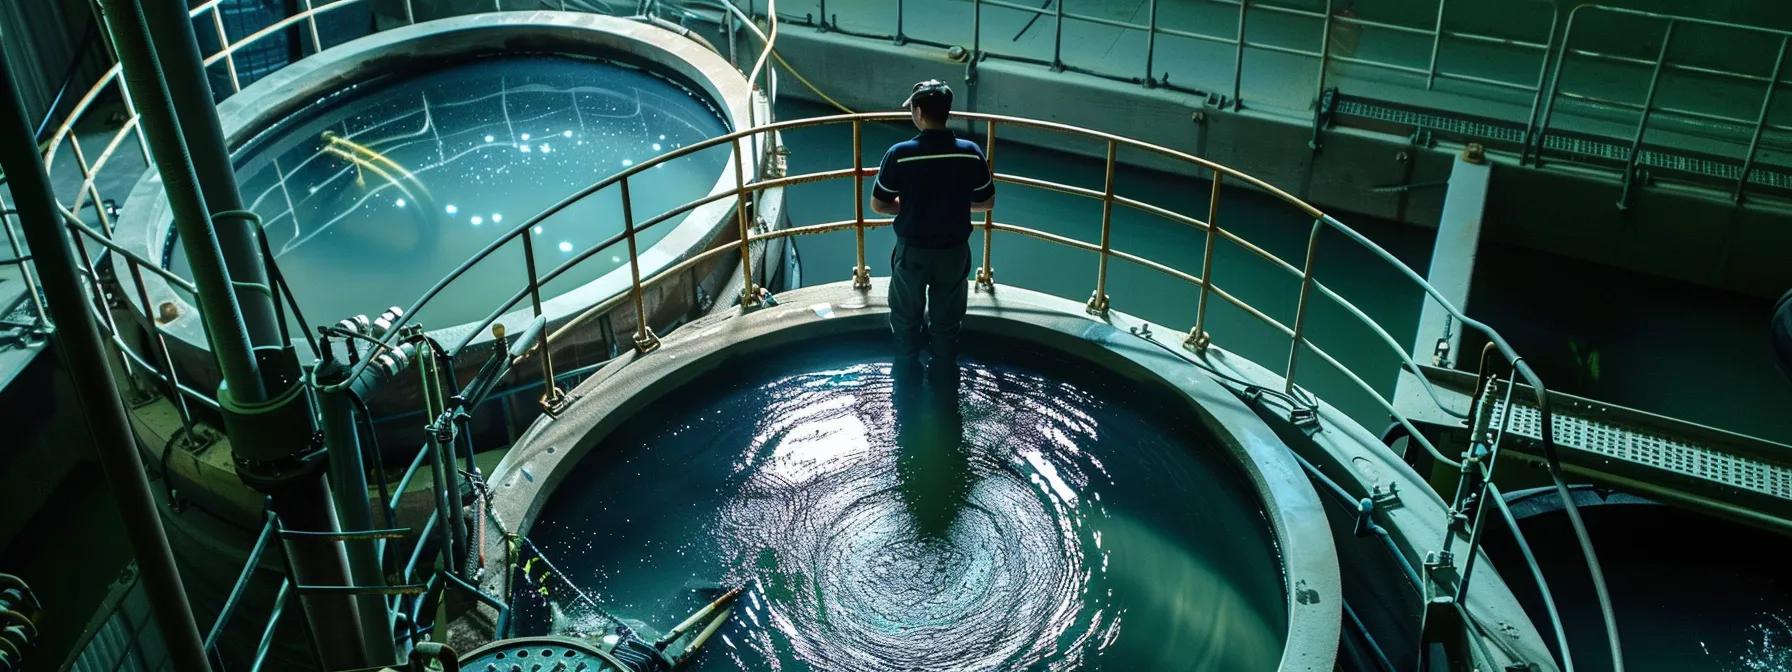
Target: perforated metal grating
{"x": 1570, "y": 147}
{"x": 1660, "y": 452}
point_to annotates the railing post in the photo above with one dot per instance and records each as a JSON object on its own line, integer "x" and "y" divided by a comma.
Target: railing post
{"x": 861, "y": 274}
{"x": 1151, "y": 46}
{"x": 1098, "y": 302}
{"x": 901, "y": 39}
{"x": 1300, "y": 309}
{"x": 550, "y": 395}
{"x": 1058, "y": 35}
{"x": 1238, "y": 59}
{"x": 1530, "y": 123}
{"x": 1325, "y": 51}
{"x": 236, "y": 84}
{"x": 1555, "y": 86}
{"x": 410, "y": 12}
{"x": 976, "y": 31}
{"x": 317, "y": 44}
{"x": 165, "y": 366}
{"x": 1642, "y": 123}
{"x": 1437, "y": 38}
{"x": 645, "y": 341}
{"x": 1197, "y": 337}
{"x": 1754, "y": 143}
{"x": 986, "y": 274}
{"x": 749, "y": 294}
{"x": 37, "y": 302}
{"x": 136, "y": 120}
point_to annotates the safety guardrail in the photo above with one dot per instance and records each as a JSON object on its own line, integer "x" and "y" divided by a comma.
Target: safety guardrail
{"x": 1648, "y": 108}
{"x": 1476, "y": 464}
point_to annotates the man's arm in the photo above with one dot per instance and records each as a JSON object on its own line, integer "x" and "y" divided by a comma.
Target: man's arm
{"x": 886, "y": 190}
{"x": 983, "y": 198}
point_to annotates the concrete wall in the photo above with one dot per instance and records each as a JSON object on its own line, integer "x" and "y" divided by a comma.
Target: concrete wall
{"x": 1688, "y": 234}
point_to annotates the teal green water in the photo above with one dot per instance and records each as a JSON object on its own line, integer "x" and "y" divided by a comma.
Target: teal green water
{"x": 372, "y": 195}
{"x": 1043, "y": 517}
{"x": 1664, "y": 347}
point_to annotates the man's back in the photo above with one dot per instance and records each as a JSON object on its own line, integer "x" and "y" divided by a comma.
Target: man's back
{"x": 938, "y": 177}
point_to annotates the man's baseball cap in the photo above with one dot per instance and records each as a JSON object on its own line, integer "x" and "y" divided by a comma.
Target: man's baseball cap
{"x": 931, "y": 89}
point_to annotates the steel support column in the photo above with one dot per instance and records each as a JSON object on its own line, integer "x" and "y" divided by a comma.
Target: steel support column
{"x": 177, "y": 51}
{"x": 84, "y": 353}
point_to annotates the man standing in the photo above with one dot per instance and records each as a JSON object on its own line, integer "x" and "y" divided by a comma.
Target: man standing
{"x": 932, "y": 184}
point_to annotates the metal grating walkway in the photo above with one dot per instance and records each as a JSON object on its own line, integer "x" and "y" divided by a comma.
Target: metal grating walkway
{"x": 1683, "y": 465}
{"x": 1571, "y": 147}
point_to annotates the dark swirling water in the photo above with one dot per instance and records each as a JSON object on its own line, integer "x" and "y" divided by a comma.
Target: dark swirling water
{"x": 883, "y": 521}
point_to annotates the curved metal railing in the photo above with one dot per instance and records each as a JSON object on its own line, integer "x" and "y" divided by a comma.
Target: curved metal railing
{"x": 1476, "y": 465}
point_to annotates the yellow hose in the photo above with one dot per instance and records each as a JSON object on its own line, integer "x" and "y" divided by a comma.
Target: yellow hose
{"x": 799, "y": 77}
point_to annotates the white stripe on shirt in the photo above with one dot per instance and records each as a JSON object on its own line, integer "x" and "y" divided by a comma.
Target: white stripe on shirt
{"x": 939, "y": 156}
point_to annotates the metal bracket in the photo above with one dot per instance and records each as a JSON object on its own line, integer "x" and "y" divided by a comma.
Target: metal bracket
{"x": 861, "y": 277}
{"x": 1304, "y": 417}
{"x": 1197, "y": 341}
{"x": 1385, "y": 496}
{"x": 554, "y": 401}
{"x": 1098, "y": 304}
{"x": 986, "y": 280}
{"x": 647, "y": 342}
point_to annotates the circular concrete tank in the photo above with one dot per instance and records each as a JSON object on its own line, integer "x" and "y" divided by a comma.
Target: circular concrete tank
{"x": 379, "y": 165}
{"x": 1098, "y": 504}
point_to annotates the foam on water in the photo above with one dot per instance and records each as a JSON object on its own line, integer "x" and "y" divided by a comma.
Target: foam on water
{"x": 371, "y": 195}
{"x": 880, "y": 522}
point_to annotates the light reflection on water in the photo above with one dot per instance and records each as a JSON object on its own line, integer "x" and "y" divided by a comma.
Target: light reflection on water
{"x": 417, "y": 174}
{"x": 882, "y": 523}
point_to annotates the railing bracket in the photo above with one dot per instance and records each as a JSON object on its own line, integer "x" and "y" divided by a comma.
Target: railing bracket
{"x": 986, "y": 280}
{"x": 1198, "y": 341}
{"x": 1098, "y": 304}
{"x": 647, "y": 342}
{"x": 861, "y": 277}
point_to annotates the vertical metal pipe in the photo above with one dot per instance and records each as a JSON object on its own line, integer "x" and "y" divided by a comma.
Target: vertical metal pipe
{"x": 749, "y": 295}
{"x": 446, "y": 485}
{"x": 986, "y": 276}
{"x": 410, "y": 12}
{"x": 223, "y": 316}
{"x": 1098, "y": 303}
{"x": 188, "y": 85}
{"x": 1437, "y": 38}
{"x": 861, "y": 274}
{"x": 1198, "y": 337}
{"x": 1642, "y": 122}
{"x": 1754, "y": 143}
{"x": 822, "y": 9}
{"x": 1058, "y": 35}
{"x": 1238, "y": 60}
{"x": 84, "y": 354}
{"x": 348, "y": 477}
{"x": 1300, "y": 309}
{"x": 634, "y": 269}
{"x": 1151, "y": 44}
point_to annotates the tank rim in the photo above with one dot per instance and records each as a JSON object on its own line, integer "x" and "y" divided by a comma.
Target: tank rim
{"x": 552, "y": 448}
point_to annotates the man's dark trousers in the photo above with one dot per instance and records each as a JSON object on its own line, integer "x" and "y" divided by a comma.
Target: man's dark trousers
{"x": 932, "y": 282}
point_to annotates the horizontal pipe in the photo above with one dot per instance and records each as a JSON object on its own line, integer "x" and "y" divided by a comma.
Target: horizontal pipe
{"x": 412, "y": 589}
{"x": 362, "y": 535}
